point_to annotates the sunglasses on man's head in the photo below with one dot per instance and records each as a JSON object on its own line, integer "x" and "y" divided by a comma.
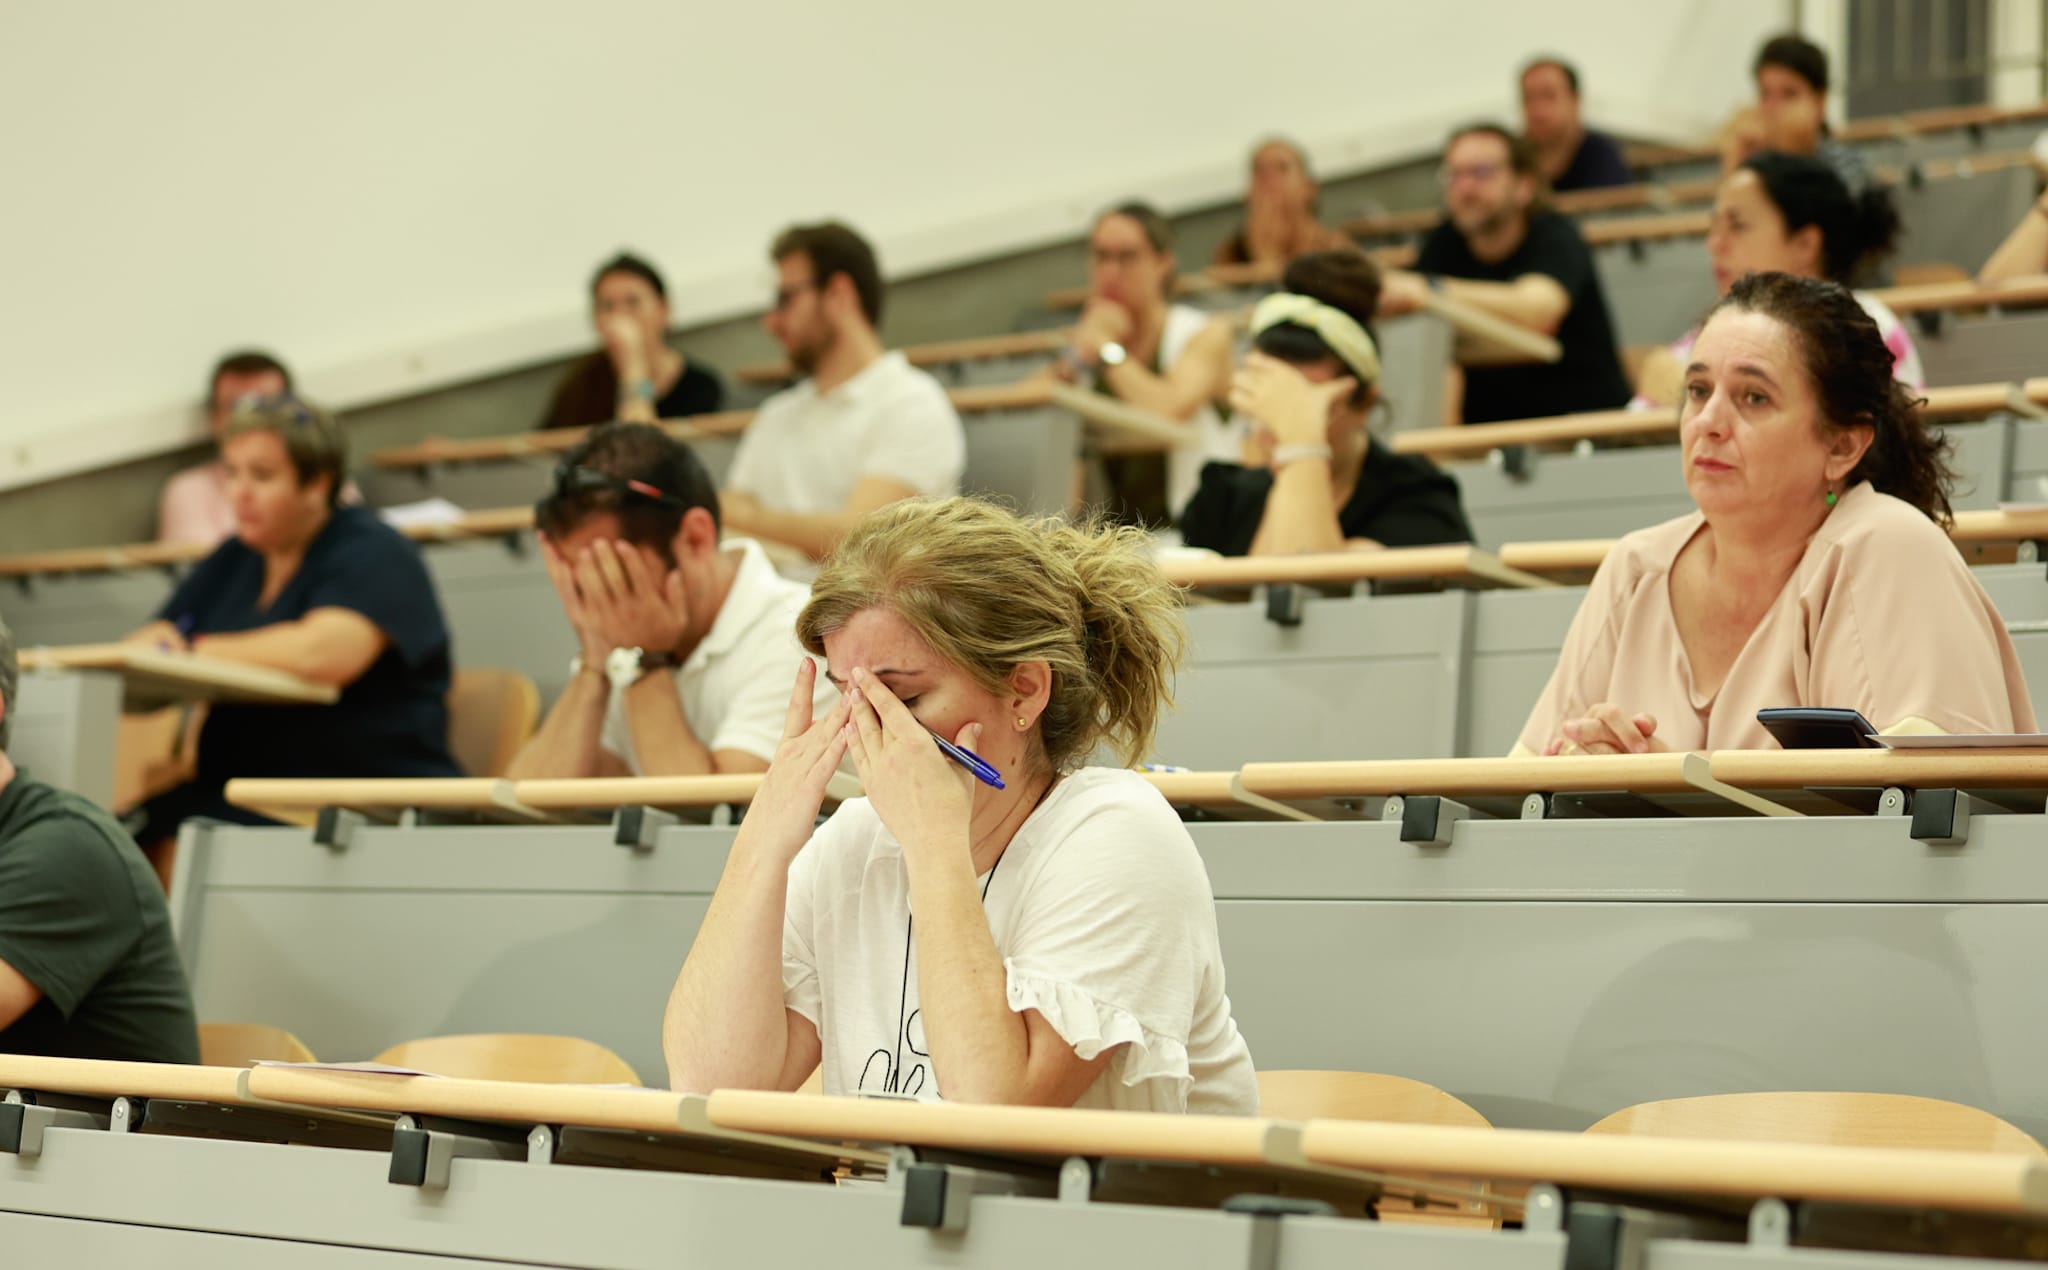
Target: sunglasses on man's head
{"x": 572, "y": 479}
{"x": 281, "y": 403}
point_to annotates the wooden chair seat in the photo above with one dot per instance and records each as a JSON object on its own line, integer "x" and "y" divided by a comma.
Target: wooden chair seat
{"x": 550, "y": 1060}
{"x": 1826, "y": 1119}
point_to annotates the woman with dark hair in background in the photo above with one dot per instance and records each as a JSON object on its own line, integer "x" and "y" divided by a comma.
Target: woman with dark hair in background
{"x": 1790, "y": 114}
{"x": 1816, "y": 571}
{"x": 635, "y": 377}
{"x": 1309, "y": 386}
{"x": 1279, "y": 211}
{"x": 1788, "y": 213}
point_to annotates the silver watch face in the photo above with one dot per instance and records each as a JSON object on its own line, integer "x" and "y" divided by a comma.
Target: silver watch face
{"x": 623, "y": 664}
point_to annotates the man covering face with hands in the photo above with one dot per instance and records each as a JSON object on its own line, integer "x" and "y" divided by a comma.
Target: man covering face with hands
{"x": 683, "y": 643}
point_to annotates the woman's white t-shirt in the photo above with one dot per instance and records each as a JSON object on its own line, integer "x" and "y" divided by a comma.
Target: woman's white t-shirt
{"x": 1102, "y": 913}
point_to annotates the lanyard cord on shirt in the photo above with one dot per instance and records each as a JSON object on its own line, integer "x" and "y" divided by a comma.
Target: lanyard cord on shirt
{"x": 895, "y": 1081}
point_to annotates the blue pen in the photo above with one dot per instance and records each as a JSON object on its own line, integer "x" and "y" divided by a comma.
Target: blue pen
{"x": 183, "y": 625}
{"x": 972, "y": 762}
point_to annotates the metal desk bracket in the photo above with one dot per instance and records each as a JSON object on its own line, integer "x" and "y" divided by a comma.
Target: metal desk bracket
{"x": 22, "y": 1123}
{"x": 1426, "y": 819}
{"x": 638, "y": 827}
{"x": 421, "y": 1151}
{"x": 1770, "y": 1224}
{"x": 937, "y": 1195}
{"x": 1266, "y": 1213}
{"x": 1518, "y": 462}
{"x": 540, "y": 1145}
{"x": 1941, "y": 817}
{"x": 1285, "y": 603}
{"x": 336, "y": 827}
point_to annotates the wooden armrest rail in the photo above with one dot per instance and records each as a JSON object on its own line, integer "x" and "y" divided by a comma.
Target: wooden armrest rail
{"x": 650, "y": 1111}
{"x": 2008, "y": 1185}
{"x": 1457, "y": 563}
{"x": 102, "y": 1078}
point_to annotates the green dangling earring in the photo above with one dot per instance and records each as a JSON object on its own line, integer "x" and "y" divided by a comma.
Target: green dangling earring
{"x": 1830, "y": 498}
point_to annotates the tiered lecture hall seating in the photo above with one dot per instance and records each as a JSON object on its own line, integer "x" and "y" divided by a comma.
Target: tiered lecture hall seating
{"x": 1548, "y": 944}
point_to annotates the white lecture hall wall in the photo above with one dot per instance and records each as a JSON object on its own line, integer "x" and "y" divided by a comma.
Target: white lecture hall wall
{"x": 401, "y": 194}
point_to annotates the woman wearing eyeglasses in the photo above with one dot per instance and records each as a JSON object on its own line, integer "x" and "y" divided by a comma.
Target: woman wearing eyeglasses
{"x": 326, "y": 592}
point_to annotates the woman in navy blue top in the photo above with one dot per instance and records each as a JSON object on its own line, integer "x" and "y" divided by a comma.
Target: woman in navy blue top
{"x": 326, "y": 592}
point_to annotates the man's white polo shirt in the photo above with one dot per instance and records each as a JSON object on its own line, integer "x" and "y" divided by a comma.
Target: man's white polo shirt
{"x": 805, "y": 451}
{"x": 735, "y": 684}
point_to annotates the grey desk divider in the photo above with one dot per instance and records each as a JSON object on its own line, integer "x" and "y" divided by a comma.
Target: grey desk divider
{"x": 1961, "y": 221}
{"x": 502, "y": 611}
{"x": 1552, "y": 972}
{"x": 1656, "y": 291}
{"x": 1415, "y": 352}
{"x": 63, "y": 730}
{"x": 1555, "y": 496}
{"x": 1366, "y": 677}
{"x": 1972, "y": 348}
{"x": 1023, "y": 459}
{"x": 410, "y": 932}
{"x": 85, "y": 608}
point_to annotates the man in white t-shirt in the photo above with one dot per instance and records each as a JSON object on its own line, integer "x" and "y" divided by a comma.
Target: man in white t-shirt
{"x": 687, "y": 646}
{"x": 863, "y": 429}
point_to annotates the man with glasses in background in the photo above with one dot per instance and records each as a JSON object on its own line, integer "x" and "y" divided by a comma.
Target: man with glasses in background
{"x": 1502, "y": 250}
{"x": 861, "y": 430}
{"x": 686, "y": 645}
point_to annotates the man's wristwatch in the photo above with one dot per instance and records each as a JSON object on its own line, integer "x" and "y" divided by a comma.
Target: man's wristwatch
{"x": 625, "y": 666}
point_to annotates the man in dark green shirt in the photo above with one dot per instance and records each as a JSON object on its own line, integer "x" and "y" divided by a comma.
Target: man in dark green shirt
{"x": 87, "y": 966}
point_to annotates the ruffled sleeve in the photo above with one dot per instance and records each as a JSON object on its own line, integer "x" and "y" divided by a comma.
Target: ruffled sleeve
{"x": 1152, "y": 1062}
{"x": 1112, "y": 944}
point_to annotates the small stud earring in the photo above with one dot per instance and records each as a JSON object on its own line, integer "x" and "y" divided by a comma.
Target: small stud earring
{"x": 1022, "y": 723}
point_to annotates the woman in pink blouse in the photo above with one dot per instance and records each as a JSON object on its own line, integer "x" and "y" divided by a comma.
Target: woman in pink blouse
{"x": 1816, "y": 571}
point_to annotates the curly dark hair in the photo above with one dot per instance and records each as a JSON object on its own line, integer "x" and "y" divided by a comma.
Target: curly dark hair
{"x": 1851, "y": 371}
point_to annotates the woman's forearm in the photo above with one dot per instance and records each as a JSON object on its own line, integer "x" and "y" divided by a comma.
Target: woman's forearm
{"x": 978, "y": 1044}
{"x": 1300, "y": 514}
{"x": 2024, "y": 251}
{"x": 726, "y": 1026}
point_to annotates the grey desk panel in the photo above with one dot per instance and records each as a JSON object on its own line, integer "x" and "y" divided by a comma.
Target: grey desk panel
{"x": 613, "y": 1218}
{"x": 64, "y": 728}
{"x": 1655, "y": 291}
{"x": 1363, "y": 677}
{"x": 1976, "y": 349}
{"x": 1516, "y": 637}
{"x": 1415, "y": 352}
{"x": 2027, "y": 481}
{"x": 1564, "y": 496}
{"x": 57, "y": 1241}
{"x": 352, "y": 973}
{"x": 502, "y": 611}
{"x": 1552, "y": 1015}
{"x": 1024, "y": 459}
{"x": 1982, "y": 458}
{"x": 1961, "y": 222}
{"x": 1848, "y": 860}
{"x": 1553, "y": 973}
{"x": 91, "y": 608}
